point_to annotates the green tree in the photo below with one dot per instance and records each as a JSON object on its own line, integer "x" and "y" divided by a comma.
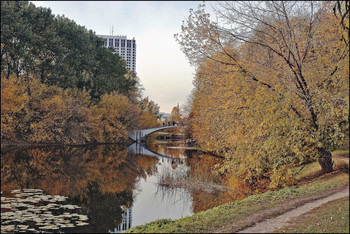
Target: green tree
{"x": 58, "y": 51}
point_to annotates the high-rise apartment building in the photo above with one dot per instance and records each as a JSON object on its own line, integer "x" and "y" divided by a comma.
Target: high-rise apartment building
{"x": 124, "y": 47}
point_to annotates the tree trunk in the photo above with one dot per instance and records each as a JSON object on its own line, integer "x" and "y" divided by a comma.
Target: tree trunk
{"x": 325, "y": 160}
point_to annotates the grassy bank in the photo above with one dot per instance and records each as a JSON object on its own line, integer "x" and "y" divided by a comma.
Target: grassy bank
{"x": 234, "y": 216}
{"x": 341, "y": 152}
{"x": 332, "y": 217}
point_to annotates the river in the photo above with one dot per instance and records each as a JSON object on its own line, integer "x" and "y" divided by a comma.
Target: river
{"x": 99, "y": 189}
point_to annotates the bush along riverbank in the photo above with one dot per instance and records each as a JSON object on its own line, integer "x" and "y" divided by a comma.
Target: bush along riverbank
{"x": 235, "y": 216}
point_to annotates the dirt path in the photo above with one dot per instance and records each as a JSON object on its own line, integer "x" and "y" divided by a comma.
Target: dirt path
{"x": 271, "y": 225}
{"x": 345, "y": 159}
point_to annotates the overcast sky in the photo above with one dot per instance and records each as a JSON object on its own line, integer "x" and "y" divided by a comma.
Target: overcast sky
{"x": 163, "y": 69}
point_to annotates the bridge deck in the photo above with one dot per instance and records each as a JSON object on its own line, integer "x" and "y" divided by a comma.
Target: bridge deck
{"x": 139, "y": 135}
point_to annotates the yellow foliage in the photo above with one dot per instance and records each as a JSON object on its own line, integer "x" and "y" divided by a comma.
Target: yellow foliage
{"x": 114, "y": 115}
{"x": 13, "y": 100}
{"x": 35, "y": 112}
{"x": 259, "y": 117}
{"x": 58, "y": 118}
{"x": 148, "y": 120}
{"x": 175, "y": 114}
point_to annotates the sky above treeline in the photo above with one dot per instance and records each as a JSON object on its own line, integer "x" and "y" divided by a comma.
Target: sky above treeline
{"x": 163, "y": 69}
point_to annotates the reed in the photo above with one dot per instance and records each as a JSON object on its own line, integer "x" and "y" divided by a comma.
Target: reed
{"x": 202, "y": 179}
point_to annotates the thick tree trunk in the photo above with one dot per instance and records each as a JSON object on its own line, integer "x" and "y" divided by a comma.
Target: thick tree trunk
{"x": 325, "y": 160}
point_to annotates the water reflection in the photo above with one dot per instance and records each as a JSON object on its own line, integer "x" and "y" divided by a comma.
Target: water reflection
{"x": 114, "y": 188}
{"x": 126, "y": 220}
{"x": 99, "y": 179}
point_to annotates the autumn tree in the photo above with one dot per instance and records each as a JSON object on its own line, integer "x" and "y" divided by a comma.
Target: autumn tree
{"x": 54, "y": 115}
{"x": 175, "y": 114}
{"x": 114, "y": 116}
{"x": 13, "y": 101}
{"x": 270, "y": 85}
{"x": 149, "y": 114}
{"x": 341, "y": 11}
{"x": 61, "y": 85}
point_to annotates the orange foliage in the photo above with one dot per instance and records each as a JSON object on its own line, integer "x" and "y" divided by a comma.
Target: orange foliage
{"x": 13, "y": 100}
{"x": 114, "y": 115}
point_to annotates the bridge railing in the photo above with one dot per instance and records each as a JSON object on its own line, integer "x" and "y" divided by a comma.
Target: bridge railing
{"x": 139, "y": 135}
{"x": 139, "y": 148}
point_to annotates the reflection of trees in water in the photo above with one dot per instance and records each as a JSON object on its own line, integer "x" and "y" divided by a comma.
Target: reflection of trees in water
{"x": 99, "y": 179}
{"x": 147, "y": 164}
{"x": 201, "y": 167}
{"x": 173, "y": 152}
{"x": 67, "y": 171}
{"x": 104, "y": 209}
{"x": 160, "y": 147}
{"x": 178, "y": 197}
{"x": 197, "y": 168}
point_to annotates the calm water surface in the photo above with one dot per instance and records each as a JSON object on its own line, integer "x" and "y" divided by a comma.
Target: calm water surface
{"x": 98, "y": 189}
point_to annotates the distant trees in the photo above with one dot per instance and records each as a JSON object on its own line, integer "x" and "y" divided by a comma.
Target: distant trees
{"x": 149, "y": 114}
{"x": 271, "y": 89}
{"x": 114, "y": 116}
{"x": 175, "y": 114}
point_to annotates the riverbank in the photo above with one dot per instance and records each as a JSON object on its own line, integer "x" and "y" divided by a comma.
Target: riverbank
{"x": 235, "y": 216}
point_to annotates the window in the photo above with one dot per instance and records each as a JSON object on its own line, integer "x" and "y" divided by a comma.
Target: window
{"x": 122, "y": 43}
{"x": 116, "y": 42}
{"x": 105, "y": 42}
{"x": 129, "y": 43}
{"x": 110, "y": 42}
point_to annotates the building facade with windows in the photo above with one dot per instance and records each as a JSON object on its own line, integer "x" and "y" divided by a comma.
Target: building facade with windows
{"x": 124, "y": 47}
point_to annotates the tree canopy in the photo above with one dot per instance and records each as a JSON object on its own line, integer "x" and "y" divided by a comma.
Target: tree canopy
{"x": 58, "y": 51}
{"x": 271, "y": 87}
{"x": 60, "y": 85}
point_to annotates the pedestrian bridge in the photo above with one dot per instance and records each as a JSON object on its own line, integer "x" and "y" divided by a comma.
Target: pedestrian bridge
{"x": 139, "y": 135}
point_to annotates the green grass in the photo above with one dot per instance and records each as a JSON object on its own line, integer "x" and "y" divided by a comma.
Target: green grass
{"x": 341, "y": 152}
{"x": 332, "y": 217}
{"x": 310, "y": 169}
{"x": 307, "y": 170}
{"x": 221, "y": 217}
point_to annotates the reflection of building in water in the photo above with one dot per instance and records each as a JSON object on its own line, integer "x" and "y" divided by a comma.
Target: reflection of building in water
{"x": 126, "y": 220}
